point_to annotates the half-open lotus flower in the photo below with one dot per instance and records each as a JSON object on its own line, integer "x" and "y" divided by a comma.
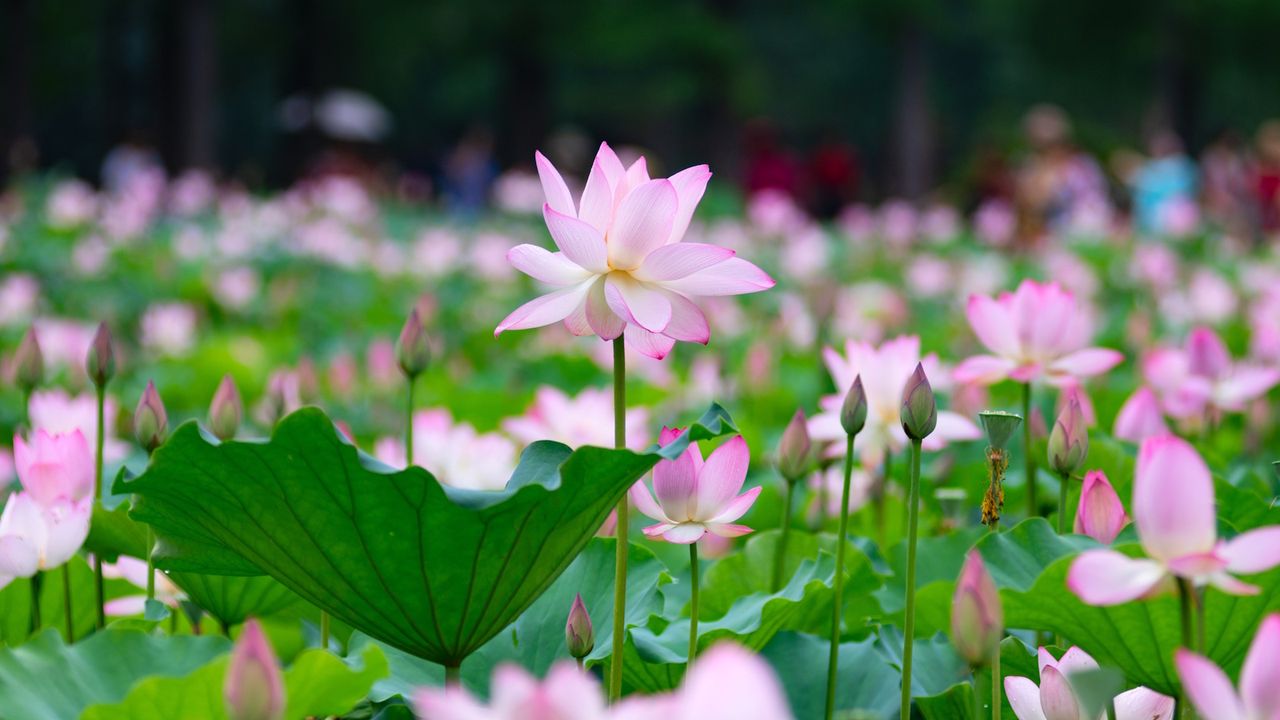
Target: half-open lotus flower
{"x": 35, "y": 536}
{"x": 583, "y": 419}
{"x": 1038, "y": 332}
{"x": 54, "y": 467}
{"x": 1053, "y": 698}
{"x": 1202, "y": 376}
{"x": 1210, "y": 690}
{"x": 697, "y": 497}
{"x": 1100, "y": 514}
{"x": 621, "y": 266}
{"x": 1173, "y": 508}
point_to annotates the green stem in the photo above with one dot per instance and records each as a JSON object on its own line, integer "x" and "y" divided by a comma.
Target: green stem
{"x": 1033, "y": 508}
{"x": 1184, "y": 607}
{"x": 997, "y": 687}
{"x": 693, "y": 604}
{"x": 780, "y": 553}
{"x": 36, "y": 582}
{"x": 913, "y": 523}
{"x": 151, "y": 565}
{"x": 1065, "y": 483}
{"x": 66, "y": 603}
{"x": 453, "y": 675}
{"x": 1199, "y": 598}
{"x": 324, "y": 629}
{"x": 620, "y": 561}
{"x": 837, "y": 599}
{"x": 98, "y": 587}
{"x": 977, "y": 700}
{"x": 408, "y": 425}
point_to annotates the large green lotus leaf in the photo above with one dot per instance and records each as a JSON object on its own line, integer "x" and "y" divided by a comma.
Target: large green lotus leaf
{"x": 234, "y": 598}
{"x": 113, "y": 533}
{"x": 1139, "y": 638}
{"x": 47, "y": 680}
{"x": 432, "y": 570}
{"x": 865, "y": 681}
{"x": 317, "y": 684}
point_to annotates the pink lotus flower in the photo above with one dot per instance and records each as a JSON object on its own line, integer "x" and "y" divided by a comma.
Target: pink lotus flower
{"x": 1173, "y": 507}
{"x": 55, "y": 411}
{"x": 622, "y": 267}
{"x": 885, "y": 371}
{"x": 584, "y": 419}
{"x": 1054, "y": 699}
{"x": 1202, "y": 377}
{"x": 135, "y": 572}
{"x": 1038, "y": 332}
{"x": 728, "y": 683}
{"x": 1210, "y": 690}
{"x": 254, "y": 687}
{"x": 36, "y": 537}
{"x": 54, "y": 467}
{"x": 567, "y": 693}
{"x": 1100, "y": 515}
{"x": 696, "y": 498}
{"x": 1140, "y": 417}
{"x": 454, "y": 452}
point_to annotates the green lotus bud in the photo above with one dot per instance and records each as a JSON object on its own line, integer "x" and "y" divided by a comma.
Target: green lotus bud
{"x": 226, "y": 409}
{"x": 413, "y": 352}
{"x": 28, "y": 362}
{"x": 1069, "y": 440}
{"x": 919, "y": 409}
{"x": 100, "y": 365}
{"x": 999, "y": 426}
{"x": 853, "y": 413}
{"x": 793, "y": 449}
{"x": 150, "y": 422}
{"x": 578, "y": 633}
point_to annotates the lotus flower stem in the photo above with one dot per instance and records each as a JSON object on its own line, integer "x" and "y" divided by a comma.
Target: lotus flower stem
{"x": 453, "y": 675}
{"x": 620, "y": 563}
{"x": 780, "y": 555}
{"x": 35, "y": 601}
{"x": 837, "y": 604}
{"x": 996, "y": 687}
{"x": 693, "y": 604}
{"x": 66, "y": 603}
{"x": 977, "y": 700}
{"x": 151, "y": 564}
{"x": 408, "y": 423}
{"x": 909, "y": 623}
{"x": 1065, "y": 484}
{"x": 1199, "y": 598}
{"x": 324, "y": 629}
{"x": 99, "y": 593}
{"x": 1027, "y": 457}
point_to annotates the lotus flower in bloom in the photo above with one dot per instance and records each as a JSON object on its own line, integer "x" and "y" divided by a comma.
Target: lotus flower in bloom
{"x": 885, "y": 371}
{"x": 1174, "y": 511}
{"x": 57, "y": 412}
{"x": 1210, "y": 690}
{"x": 1100, "y": 515}
{"x": 1037, "y": 332}
{"x": 1140, "y": 417}
{"x": 36, "y": 537}
{"x": 455, "y": 453}
{"x": 1202, "y": 376}
{"x": 54, "y": 467}
{"x": 621, "y": 266}
{"x": 696, "y": 497}
{"x": 1054, "y": 699}
{"x": 584, "y": 419}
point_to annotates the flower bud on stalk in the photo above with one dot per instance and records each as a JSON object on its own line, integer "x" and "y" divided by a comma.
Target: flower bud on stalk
{"x": 578, "y": 633}
{"x": 919, "y": 408}
{"x": 853, "y": 413}
{"x": 150, "y": 422}
{"x": 254, "y": 688}
{"x": 1100, "y": 514}
{"x": 1069, "y": 441}
{"x": 100, "y": 365}
{"x": 1000, "y": 427}
{"x": 226, "y": 409}
{"x": 28, "y": 363}
{"x": 977, "y": 619}
{"x": 793, "y": 450}
{"x": 413, "y": 352}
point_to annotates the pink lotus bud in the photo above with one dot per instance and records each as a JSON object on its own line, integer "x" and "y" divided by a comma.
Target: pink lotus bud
{"x": 254, "y": 688}
{"x": 150, "y": 421}
{"x": 919, "y": 409}
{"x": 578, "y": 633}
{"x": 853, "y": 413}
{"x": 977, "y": 619}
{"x": 226, "y": 409}
{"x": 793, "y": 449}
{"x": 100, "y": 365}
{"x": 28, "y": 362}
{"x": 1207, "y": 355}
{"x": 1069, "y": 441}
{"x": 1100, "y": 515}
{"x": 413, "y": 353}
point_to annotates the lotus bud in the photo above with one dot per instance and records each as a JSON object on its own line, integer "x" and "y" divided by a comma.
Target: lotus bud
{"x": 578, "y": 633}
{"x": 28, "y": 362}
{"x": 1100, "y": 515}
{"x": 1207, "y": 355}
{"x": 1069, "y": 441}
{"x": 919, "y": 408}
{"x": 226, "y": 410}
{"x": 1000, "y": 427}
{"x": 853, "y": 413}
{"x": 100, "y": 365}
{"x": 254, "y": 688}
{"x": 793, "y": 449}
{"x": 413, "y": 353}
{"x": 977, "y": 620}
{"x": 150, "y": 422}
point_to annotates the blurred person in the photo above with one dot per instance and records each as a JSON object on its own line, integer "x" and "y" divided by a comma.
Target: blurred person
{"x": 1266, "y": 177}
{"x": 768, "y": 165}
{"x": 1164, "y": 187}
{"x": 469, "y": 173}
{"x": 834, "y": 174}
{"x": 1225, "y": 169}
{"x": 1057, "y": 184}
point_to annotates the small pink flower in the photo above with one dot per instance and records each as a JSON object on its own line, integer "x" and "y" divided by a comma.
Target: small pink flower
{"x": 696, "y": 498}
{"x": 1054, "y": 699}
{"x": 1038, "y": 332}
{"x": 35, "y": 537}
{"x": 254, "y": 687}
{"x": 584, "y": 419}
{"x": 1173, "y": 508}
{"x": 622, "y": 267}
{"x": 1210, "y": 691}
{"x": 1140, "y": 417}
{"x": 1202, "y": 376}
{"x": 567, "y": 693}
{"x": 54, "y": 467}
{"x": 1100, "y": 515}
